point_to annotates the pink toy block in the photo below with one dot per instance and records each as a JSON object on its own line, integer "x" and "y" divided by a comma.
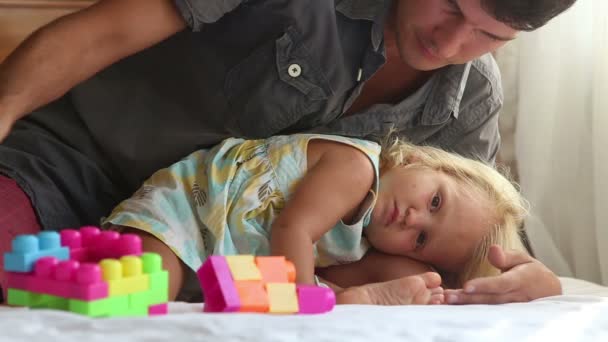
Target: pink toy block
{"x": 218, "y": 286}
{"x": 315, "y": 299}
{"x": 68, "y": 279}
{"x": 158, "y": 309}
{"x": 90, "y": 244}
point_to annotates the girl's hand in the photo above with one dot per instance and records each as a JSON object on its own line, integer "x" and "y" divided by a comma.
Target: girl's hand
{"x": 523, "y": 279}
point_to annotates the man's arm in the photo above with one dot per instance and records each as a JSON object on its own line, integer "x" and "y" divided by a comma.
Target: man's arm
{"x": 75, "y": 47}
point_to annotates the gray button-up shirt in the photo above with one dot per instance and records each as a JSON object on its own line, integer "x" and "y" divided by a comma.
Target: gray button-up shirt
{"x": 259, "y": 68}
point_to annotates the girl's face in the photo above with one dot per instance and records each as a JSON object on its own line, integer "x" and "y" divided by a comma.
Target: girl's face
{"x": 428, "y": 216}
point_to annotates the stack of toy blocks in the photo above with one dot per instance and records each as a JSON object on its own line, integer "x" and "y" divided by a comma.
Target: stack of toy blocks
{"x": 87, "y": 271}
{"x": 246, "y": 283}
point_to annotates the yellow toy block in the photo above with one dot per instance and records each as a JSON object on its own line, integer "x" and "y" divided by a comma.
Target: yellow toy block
{"x": 276, "y": 269}
{"x": 283, "y": 298}
{"x": 125, "y": 276}
{"x": 243, "y": 267}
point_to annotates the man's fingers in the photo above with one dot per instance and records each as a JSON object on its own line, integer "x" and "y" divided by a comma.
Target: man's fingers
{"x": 458, "y": 297}
{"x": 505, "y": 260}
{"x": 503, "y": 283}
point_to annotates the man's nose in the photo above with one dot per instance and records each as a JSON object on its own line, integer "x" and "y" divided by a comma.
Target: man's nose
{"x": 449, "y": 37}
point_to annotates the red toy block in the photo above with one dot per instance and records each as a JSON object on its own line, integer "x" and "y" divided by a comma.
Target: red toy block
{"x": 315, "y": 299}
{"x": 218, "y": 286}
{"x": 276, "y": 269}
{"x": 68, "y": 279}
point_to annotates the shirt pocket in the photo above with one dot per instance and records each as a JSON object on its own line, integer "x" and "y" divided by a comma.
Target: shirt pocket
{"x": 275, "y": 86}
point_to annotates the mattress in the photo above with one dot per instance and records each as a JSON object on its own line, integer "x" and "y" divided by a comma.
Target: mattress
{"x": 581, "y": 314}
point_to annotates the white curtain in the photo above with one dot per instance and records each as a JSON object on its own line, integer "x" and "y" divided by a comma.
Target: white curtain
{"x": 561, "y": 138}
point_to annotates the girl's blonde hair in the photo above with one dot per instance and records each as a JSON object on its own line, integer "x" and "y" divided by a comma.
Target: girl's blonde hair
{"x": 507, "y": 206}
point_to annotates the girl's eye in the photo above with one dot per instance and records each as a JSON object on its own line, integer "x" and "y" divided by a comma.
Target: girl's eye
{"x": 420, "y": 240}
{"x": 435, "y": 202}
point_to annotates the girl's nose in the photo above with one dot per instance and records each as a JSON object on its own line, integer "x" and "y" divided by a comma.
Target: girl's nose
{"x": 415, "y": 218}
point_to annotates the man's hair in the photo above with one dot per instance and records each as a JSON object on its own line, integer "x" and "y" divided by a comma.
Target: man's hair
{"x": 525, "y": 15}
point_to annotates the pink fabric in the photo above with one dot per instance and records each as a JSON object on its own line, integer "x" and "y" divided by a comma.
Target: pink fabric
{"x": 17, "y": 217}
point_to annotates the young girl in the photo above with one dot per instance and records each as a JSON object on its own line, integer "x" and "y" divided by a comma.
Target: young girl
{"x": 322, "y": 201}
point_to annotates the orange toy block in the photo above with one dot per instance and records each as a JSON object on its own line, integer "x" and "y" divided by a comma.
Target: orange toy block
{"x": 252, "y": 295}
{"x": 276, "y": 269}
{"x": 243, "y": 267}
{"x": 283, "y": 298}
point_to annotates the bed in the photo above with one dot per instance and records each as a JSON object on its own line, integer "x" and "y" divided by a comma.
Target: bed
{"x": 581, "y": 314}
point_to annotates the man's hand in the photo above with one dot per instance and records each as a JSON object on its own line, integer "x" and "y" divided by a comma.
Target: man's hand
{"x": 523, "y": 279}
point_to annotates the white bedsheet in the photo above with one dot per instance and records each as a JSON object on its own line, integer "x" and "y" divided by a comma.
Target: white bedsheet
{"x": 571, "y": 317}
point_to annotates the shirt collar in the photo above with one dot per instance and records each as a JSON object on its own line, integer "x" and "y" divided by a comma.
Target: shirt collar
{"x": 372, "y": 10}
{"x": 447, "y": 85}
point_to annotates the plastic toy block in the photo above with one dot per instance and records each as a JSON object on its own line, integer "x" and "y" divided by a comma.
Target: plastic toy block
{"x": 315, "y": 299}
{"x": 276, "y": 292}
{"x": 282, "y": 297}
{"x": 135, "y": 285}
{"x": 67, "y": 278}
{"x": 243, "y": 267}
{"x": 218, "y": 286}
{"x": 158, "y": 291}
{"x": 252, "y": 295}
{"x": 158, "y": 309}
{"x": 276, "y": 269}
{"x": 26, "y": 249}
{"x": 90, "y": 244}
{"x": 36, "y": 300}
{"x": 124, "y": 276}
{"x": 106, "y": 307}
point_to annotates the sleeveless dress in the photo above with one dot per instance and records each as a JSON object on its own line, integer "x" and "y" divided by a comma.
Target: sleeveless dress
{"x": 223, "y": 200}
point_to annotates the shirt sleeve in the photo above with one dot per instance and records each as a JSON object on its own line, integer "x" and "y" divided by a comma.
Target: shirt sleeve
{"x": 196, "y": 13}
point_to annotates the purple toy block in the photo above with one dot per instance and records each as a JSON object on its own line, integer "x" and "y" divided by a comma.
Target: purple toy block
{"x": 90, "y": 244}
{"x": 26, "y": 249}
{"x": 68, "y": 279}
{"x": 315, "y": 299}
{"x": 158, "y": 309}
{"x": 218, "y": 286}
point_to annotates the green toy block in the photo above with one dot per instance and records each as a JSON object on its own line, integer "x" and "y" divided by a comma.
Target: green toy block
{"x": 18, "y": 297}
{"x": 36, "y": 300}
{"x": 106, "y": 307}
{"x": 50, "y": 302}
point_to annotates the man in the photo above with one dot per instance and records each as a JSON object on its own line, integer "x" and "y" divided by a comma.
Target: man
{"x": 248, "y": 69}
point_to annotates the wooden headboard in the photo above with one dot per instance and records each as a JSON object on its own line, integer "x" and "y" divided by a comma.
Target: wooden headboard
{"x": 19, "y": 18}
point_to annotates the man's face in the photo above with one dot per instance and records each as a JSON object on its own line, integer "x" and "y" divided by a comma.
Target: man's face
{"x": 431, "y": 34}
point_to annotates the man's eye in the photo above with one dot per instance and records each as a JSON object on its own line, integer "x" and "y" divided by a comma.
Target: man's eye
{"x": 420, "y": 240}
{"x": 453, "y": 5}
{"x": 436, "y": 202}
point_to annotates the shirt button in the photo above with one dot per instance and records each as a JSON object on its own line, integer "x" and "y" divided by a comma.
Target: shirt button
{"x": 294, "y": 70}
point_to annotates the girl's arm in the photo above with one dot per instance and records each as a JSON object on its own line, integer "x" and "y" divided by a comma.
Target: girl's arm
{"x": 338, "y": 180}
